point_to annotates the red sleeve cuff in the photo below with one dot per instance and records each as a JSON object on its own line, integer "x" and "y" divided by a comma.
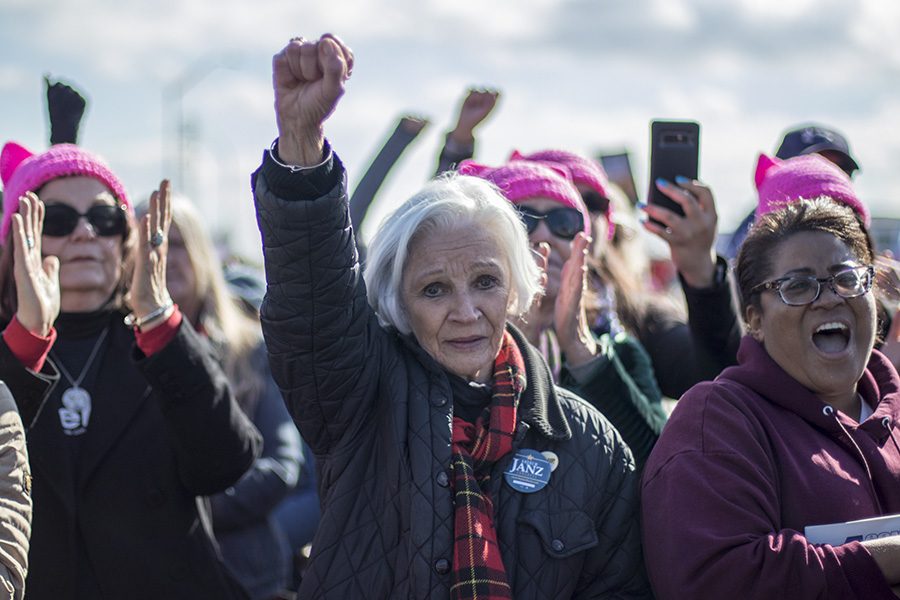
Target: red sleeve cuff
{"x": 30, "y": 349}
{"x": 151, "y": 342}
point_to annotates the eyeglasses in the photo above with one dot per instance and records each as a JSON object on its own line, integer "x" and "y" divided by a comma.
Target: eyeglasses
{"x": 563, "y": 222}
{"x": 106, "y": 219}
{"x": 799, "y": 290}
{"x": 595, "y": 202}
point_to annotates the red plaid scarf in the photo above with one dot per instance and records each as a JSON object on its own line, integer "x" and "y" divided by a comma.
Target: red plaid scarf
{"x": 478, "y": 571}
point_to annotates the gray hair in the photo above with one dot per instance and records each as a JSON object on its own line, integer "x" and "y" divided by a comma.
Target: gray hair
{"x": 443, "y": 203}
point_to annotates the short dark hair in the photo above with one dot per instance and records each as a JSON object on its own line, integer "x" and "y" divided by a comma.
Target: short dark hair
{"x": 754, "y": 261}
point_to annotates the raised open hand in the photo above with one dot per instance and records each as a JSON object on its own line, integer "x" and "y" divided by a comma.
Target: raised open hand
{"x": 308, "y": 78}
{"x": 691, "y": 237}
{"x": 37, "y": 277}
{"x": 570, "y": 316}
{"x": 148, "y": 292}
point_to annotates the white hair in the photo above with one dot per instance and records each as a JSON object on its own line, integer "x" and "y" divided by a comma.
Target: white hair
{"x": 443, "y": 203}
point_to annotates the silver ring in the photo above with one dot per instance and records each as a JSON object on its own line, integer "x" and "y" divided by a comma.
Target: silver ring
{"x": 668, "y": 231}
{"x": 157, "y": 239}
{"x": 29, "y": 242}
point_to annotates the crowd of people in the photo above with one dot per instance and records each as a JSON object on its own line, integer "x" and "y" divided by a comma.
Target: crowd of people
{"x": 492, "y": 399}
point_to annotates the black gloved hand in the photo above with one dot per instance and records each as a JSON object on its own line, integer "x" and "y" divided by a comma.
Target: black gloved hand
{"x": 65, "y": 106}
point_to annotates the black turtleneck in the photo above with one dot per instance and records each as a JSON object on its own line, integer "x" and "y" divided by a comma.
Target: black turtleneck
{"x": 469, "y": 397}
{"x": 76, "y": 335}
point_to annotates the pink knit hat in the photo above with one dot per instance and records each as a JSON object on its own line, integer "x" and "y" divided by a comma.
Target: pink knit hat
{"x": 522, "y": 180}
{"x": 22, "y": 171}
{"x": 808, "y": 176}
{"x": 584, "y": 171}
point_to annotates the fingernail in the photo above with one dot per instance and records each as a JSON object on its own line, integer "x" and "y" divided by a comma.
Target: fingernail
{"x": 661, "y": 182}
{"x": 681, "y": 179}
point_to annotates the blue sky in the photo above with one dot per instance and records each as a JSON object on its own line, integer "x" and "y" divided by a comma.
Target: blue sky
{"x": 585, "y": 75}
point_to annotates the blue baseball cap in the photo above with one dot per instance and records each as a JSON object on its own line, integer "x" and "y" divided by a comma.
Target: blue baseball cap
{"x": 810, "y": 138}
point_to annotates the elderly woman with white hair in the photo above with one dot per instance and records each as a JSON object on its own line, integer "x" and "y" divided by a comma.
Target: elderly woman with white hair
{"x": 450, "y": 465}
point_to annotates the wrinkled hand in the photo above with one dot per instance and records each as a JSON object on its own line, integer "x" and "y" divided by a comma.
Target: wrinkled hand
{"x": 478, "y": 104}
{"x": 37, "y": 277}
{"x": 570, "y": 316}
{"x": 308, "y": 78}
{"x": 148, "y": 290}
{"x": 691, "y": 238}
{"x": 533, "y": 323}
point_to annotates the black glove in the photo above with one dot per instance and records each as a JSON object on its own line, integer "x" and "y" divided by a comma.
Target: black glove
{"x": 66, "y": 108}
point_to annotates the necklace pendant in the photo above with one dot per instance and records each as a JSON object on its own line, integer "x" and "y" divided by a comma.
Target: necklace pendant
{"x": 76, "y": 410}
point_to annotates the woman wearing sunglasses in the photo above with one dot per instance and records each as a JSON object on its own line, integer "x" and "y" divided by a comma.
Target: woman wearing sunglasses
{"x": 613, "y": 373}
{"x": 129, "y": 418}
{"x": 802, "y": 432}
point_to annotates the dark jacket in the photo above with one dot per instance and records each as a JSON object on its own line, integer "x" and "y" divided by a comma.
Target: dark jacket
{"x": 619, "y": 382}
{"x": 746, "y": 463}
{"x": 120, "y": 516}
{"x": 685, "y": 352}
{"x": 376, "y": 410}
{"x": 253, "y": 545}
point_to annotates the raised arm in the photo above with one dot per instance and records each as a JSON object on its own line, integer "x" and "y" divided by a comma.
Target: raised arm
{"x": 318, "y": 326}
{"x": 460, "y": 141}
{"x": 713, "y": 330}
{"x": 308, "y": 79}
{"x": 408, "y": 129}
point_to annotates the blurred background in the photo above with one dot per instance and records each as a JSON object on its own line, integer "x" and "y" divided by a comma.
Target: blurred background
{"x": 183, "y": 89}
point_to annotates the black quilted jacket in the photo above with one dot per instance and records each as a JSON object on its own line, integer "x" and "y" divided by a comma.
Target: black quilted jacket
{"x": 376, "y": 411}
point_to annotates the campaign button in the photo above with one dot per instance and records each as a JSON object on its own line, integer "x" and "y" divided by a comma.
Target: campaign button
{"x": 528, "y": 472}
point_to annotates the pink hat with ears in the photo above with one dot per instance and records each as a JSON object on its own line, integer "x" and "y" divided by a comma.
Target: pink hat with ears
{"x": 808, "y": 176}
{"x": 522, "y": 180}
{"x": 584, "y": 171}
{"x": 23, "y": 171}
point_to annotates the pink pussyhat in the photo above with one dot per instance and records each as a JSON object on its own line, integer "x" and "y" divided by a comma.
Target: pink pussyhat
{"x": 23, "y": 171}
{"x": 584, "y": 171}
{"x": 808, "y": 176}
{"x": 522, "y": 180}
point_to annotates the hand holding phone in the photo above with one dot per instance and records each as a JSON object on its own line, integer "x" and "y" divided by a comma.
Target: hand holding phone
{"x": 674, "y": 152}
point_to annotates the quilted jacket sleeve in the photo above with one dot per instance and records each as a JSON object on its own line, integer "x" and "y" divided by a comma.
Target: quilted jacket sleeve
{"x": 316, "y": 320}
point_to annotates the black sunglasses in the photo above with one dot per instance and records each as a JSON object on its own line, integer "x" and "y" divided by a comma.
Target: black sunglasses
{"x": 563, "y": 222}
{"x": 106, "y": 219}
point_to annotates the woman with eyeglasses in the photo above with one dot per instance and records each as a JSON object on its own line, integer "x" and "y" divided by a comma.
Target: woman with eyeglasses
{"x": 612, "y": 372}
{"x": 129, "y": 419}
{"x": 802, "y": 432}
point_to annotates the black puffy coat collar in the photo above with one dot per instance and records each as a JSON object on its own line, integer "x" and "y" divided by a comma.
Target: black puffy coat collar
{"x": 539, "y": 406}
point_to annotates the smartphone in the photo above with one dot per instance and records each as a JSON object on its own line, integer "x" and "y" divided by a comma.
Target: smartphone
{"x": 618, "y": 168}
{"x": 674, "y": 151}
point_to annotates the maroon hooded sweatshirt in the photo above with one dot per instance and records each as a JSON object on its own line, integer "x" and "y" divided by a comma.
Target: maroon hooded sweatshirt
{"x": 745, "y": 463}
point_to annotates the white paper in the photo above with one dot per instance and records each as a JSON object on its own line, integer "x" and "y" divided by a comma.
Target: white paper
{"x": 862, "y": 530}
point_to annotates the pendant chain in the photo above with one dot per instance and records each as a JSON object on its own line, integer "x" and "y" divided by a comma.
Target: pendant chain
{"x": 77, "y": 382}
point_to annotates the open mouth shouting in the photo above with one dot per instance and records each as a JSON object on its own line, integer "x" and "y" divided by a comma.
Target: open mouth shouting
{"x": 832, "y": 337}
